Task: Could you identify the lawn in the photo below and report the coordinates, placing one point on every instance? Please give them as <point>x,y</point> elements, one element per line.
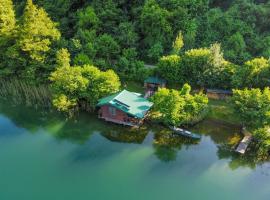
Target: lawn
<point>222,110</point>
<point>133,86</point>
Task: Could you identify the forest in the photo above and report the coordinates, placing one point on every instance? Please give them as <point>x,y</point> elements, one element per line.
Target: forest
<point>83,50</point>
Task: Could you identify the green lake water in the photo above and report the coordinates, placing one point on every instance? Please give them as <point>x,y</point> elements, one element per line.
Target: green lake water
<point>44,156</point>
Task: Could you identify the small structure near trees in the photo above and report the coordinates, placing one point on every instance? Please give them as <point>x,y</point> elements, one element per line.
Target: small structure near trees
<point>127,108</point>
<point>218,94</point>
<point>151,85</point>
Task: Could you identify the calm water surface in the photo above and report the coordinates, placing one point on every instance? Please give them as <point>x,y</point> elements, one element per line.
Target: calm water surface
<point>43,156</point>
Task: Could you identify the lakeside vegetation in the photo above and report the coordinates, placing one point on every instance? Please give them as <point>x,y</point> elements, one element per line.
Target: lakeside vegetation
<point>70,54</point>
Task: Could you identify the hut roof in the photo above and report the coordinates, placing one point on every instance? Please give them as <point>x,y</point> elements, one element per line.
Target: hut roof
<point>129,102</point>
<point>155,80</point>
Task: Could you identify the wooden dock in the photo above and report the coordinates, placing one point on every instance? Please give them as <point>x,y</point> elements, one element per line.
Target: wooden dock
<point>243,145</point>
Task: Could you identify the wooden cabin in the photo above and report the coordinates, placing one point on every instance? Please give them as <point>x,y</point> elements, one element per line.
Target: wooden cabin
<point>218,94</point>
<point>127,108</point>
<point>151,85</point>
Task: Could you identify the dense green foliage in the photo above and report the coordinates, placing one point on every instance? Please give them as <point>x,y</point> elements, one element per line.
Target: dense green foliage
<point>254,74</point>
<point>119,34</point>
<point>178,107</point>
<point>74,85</point>
<point>7,18</point>
<point>262,145</point>
<point>252,106</point>
<point>28,43</point>
<point>203,67</point>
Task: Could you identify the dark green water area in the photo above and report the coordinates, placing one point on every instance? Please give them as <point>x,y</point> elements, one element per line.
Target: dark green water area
<point>45,156</point>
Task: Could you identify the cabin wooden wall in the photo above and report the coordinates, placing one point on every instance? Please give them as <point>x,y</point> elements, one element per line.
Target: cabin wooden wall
<point>104,112</point>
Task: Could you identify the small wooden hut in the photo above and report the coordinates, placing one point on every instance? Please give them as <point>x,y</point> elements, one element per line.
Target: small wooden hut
<point>151,85</point>
<point>127,108</point>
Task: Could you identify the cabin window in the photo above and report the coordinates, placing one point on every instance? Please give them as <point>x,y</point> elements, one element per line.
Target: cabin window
<point>112,111</point>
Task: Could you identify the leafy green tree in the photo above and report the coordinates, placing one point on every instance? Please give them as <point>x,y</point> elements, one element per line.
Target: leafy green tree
<point>37,32</point>
<point>8,52</point>
<point>127,36</point>
<point>63,58</point>
<point>237,49</point>
<point>129,67</point>
<point>219,73</point>
<point>110,14</point>
<point>262,145</point>
<point>178,44</point>
<point>179,107</point>
<point>252,106</point>
<point>7,19</point>
<point>155,51</point>
<point>107,49</point>
<point>82,59</point>
<point>169,67</point>
<point>73,85</point>
<point>155,27</point>
<point>87,19</point>
<point>253,74</point>
<point>194,63</point>
<point>169,104</point>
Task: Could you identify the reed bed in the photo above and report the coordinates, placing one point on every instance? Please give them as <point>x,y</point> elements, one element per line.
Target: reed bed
<point>20,92</point>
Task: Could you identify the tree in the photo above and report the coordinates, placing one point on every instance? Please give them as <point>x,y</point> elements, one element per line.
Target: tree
<point>7,19</point>
<point>129,67</point>
<point>155,51</point>
<point>8,52</point>
<point>155,27</point>
<point>253,74</point>
<point>169,67</point>
<point>179,107</point>
<point>87,19</point>
<point>63,58</point>
<point>252,106</point>
<point>73,85</point>
<point>219,73</point>
<point>37,32</point>
<point>262,145</point>
<point>126,35</point>
<point>178,44</point>
<point>194,63</point>
<point>237,49</point>
<point>107,49</point>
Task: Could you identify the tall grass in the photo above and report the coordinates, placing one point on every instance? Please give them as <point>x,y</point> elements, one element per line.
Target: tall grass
<point>19,92</point>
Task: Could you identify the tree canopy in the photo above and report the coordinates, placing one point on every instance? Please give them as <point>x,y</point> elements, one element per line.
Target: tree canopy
<point>179,107</point>
<point>252,106</point>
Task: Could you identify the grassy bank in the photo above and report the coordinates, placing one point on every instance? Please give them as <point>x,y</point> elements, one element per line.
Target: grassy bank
<point>222,110</point>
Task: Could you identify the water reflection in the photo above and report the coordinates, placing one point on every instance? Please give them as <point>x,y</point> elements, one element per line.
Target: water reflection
<point>125,134</point>
<point>80,129</point>
<point>167,144</point>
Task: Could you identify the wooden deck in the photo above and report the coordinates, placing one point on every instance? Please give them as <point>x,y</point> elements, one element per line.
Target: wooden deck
<point>243,145</point>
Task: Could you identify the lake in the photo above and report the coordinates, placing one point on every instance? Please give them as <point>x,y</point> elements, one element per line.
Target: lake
<point>45,156</point>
